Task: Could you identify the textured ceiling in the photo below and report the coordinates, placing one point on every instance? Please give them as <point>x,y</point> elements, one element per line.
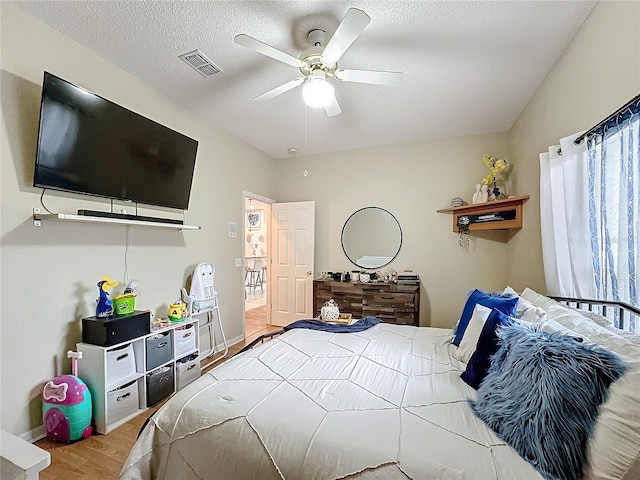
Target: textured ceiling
<point>469,67</point>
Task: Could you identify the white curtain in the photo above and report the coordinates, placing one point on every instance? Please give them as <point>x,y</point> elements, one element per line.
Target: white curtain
<point>564,217</point>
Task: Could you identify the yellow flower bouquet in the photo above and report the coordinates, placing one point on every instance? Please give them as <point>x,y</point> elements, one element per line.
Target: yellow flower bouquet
<point>496,166</point>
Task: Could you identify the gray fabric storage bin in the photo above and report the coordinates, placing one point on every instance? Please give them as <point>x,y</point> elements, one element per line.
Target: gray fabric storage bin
<point>159,349</point>
<point>159,384</point>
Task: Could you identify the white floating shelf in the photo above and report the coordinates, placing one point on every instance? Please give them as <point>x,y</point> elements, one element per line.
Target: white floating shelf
<point>66,217</point>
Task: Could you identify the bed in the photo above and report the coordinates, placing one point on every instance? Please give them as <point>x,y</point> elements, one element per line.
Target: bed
<point>384,403</point>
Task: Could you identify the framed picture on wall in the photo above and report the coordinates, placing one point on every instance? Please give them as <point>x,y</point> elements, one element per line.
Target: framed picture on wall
<point>254,220</point>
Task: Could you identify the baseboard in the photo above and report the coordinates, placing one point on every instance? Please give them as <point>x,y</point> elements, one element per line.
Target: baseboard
<point>34,434</point>
<point>233,341</point>
<point>220,347</point>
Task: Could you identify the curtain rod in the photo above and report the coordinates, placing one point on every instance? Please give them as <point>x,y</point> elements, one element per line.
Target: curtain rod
<point>602,123</point>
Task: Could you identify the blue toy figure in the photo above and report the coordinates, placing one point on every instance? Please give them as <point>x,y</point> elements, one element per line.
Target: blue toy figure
<point>66,406</point>
<point>104,309</point>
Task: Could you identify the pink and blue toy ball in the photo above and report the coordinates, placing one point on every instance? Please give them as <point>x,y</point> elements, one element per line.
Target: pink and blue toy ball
<point>66,409</point>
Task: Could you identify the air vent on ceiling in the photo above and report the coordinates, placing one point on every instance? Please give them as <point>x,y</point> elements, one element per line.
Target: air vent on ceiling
<point>200,63</point>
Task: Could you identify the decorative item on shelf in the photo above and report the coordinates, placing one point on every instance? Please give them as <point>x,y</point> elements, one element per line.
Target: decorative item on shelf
<point>481,195</point>
<point>497,168</point>
<point>355,276</point>
<point>463,231</point>
<point>104,307</point>
<point>393,275</point>
<point>177,311</point>
<point>365,277</point>
<point>329,311</point>
<point>124,304</point>
<point>158,323</point>
<point>457,202</point>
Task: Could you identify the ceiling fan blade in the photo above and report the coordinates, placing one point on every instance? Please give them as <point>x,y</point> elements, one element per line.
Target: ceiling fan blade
<point>268,50</point>
<point>352,25</point>
<point>333,108</point>
<point>279,90</point>
<point>369,76</point>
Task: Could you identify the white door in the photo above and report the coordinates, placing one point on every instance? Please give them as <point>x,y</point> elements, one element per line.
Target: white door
<point>292,244</point>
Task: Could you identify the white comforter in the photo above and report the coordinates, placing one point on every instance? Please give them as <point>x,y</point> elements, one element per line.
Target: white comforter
<point>387,403</point>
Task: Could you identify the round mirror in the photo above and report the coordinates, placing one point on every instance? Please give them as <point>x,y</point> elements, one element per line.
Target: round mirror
<point>371,237</point>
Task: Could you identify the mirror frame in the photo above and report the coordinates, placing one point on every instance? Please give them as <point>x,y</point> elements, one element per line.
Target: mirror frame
<point>345,226</point>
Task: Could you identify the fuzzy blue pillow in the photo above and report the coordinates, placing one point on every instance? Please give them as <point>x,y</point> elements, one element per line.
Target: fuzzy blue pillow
<point>542,394</point>
<point>486,347</point>
<point>506,304</point>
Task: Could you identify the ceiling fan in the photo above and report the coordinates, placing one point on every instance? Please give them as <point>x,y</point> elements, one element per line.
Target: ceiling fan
<point>320,62</point>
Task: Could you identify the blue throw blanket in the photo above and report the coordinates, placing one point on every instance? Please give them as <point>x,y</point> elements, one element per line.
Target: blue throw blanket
<point>359,326</point>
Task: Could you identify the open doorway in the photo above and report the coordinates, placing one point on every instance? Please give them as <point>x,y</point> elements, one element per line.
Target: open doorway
<point>256,260</point>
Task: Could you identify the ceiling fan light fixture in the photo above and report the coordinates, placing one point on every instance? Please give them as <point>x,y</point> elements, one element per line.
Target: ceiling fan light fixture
<point>317,92</point>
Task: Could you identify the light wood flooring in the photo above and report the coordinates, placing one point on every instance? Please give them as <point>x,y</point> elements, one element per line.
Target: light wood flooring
<point>255,320</point>
<point>101,457</point>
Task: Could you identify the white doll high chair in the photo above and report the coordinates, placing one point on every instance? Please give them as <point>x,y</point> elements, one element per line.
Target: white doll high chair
<point>203,300</point>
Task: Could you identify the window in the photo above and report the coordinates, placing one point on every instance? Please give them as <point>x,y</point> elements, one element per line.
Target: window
<point>614,209</point>
<point>590,212</point>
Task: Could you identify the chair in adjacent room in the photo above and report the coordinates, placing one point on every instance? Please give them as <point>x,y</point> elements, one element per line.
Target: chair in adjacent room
<point>253,274</point>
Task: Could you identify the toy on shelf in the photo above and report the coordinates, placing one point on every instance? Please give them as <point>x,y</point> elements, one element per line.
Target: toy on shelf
<point>126,303</point>
<point>133,287</point>
<point>177,311</point>
<point>104,308</point>
<point>66,406</point>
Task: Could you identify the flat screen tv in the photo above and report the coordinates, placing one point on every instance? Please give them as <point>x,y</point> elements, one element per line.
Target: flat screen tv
<point>90,145</point>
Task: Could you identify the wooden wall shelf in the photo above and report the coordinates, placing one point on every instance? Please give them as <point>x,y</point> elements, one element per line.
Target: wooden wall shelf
<point>508,214</point>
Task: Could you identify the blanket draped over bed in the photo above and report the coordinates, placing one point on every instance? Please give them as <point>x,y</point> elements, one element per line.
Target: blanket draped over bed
<point>384,403</point>
<point>359,326</point>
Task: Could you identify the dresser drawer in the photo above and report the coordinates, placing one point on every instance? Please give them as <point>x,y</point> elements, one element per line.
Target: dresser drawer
<point>389,299</point>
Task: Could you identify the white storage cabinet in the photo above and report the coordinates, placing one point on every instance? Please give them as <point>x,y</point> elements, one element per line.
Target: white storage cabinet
<point>127,378</point>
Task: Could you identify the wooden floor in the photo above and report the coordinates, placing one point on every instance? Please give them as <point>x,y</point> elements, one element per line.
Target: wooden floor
<point>255,320</point>
<point>101,457</point>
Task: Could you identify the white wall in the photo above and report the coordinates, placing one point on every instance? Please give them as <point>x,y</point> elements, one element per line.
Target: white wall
<point>599,72</point>
<point>412,182</point>
<point>49,274</point>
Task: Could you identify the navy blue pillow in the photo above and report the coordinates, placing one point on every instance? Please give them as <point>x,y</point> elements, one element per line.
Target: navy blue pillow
<point>506,304</point>
<point>488,344</point>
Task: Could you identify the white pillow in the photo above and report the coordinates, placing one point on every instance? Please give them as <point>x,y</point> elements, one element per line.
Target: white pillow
<point>551,326</point>
<point>526,311</point>
<point>538,300</point>
<point>471,335</point>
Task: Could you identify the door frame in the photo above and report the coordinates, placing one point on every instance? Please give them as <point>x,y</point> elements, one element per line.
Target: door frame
<point>246,195</point>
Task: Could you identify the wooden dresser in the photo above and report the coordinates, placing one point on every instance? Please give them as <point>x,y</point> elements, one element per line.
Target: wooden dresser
<point>390,302</point>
